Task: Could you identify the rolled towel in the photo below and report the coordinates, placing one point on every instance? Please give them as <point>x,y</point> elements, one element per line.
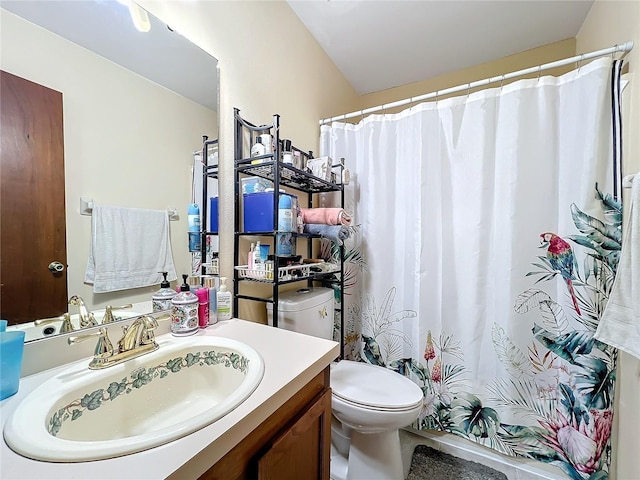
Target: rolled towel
<point>335,233</point>
<point>325,216</point>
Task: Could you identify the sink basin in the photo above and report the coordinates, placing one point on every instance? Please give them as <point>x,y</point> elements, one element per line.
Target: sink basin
<point>81,414</point>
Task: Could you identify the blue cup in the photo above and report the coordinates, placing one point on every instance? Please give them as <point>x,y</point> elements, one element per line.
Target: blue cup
<point>3,325</point>
<point>11,347</point>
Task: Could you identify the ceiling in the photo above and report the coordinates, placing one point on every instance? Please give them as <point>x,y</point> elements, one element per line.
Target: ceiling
<point>384,44</point>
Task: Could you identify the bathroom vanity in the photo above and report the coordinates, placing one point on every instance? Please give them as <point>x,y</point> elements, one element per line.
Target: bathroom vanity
<point>282,430</point>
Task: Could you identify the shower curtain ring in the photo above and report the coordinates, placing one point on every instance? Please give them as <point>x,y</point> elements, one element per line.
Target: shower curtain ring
<point>468,89</point>
<point>437,97</point>
<point>539,71</point>
<point>615,50</point>
<point>580,62</point>
<point>501,83</point>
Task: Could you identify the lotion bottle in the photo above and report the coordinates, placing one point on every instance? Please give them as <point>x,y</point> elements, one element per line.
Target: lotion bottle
<point>224,301</point>
<point>161,300</point>
<point>184,311</point>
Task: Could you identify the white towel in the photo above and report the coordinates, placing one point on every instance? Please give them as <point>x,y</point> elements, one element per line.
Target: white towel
<point>129,246</point>
<point>620,322</point>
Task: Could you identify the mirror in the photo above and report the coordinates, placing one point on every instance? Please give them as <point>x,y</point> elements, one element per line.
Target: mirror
<point>135,108</point>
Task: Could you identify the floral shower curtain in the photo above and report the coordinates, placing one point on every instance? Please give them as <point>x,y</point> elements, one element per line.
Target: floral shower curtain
<point>488,240</point>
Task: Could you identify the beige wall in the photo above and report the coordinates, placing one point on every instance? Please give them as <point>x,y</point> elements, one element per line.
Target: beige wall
<point>537,56</point>
<point>123,144</point>
<point>269,63</point>
<point>610,23</point>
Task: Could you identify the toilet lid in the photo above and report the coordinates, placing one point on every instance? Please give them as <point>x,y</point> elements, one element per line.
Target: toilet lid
<point>373,386</point>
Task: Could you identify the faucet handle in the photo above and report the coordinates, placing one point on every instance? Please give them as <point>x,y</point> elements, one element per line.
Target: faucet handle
<point>149,323</point>
<point>65,327</point>
<point>103,349</point>
<point>108,312</point>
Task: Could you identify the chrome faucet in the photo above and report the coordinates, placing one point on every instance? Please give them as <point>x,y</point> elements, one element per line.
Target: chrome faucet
<point>137,339</point>
<point>86,318</point>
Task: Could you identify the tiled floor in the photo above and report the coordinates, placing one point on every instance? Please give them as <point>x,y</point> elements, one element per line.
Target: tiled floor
<point>430,464</point>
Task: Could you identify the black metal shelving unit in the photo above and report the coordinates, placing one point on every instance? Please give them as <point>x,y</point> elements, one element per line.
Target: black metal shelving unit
<point>281,175</point>
<point>208,171</point>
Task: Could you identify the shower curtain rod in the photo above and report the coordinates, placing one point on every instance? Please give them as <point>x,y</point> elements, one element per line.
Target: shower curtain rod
<point>625,47</point>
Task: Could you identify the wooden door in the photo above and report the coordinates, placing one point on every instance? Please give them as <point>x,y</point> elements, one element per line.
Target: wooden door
<point>32,202</point>
<point>302,450</point>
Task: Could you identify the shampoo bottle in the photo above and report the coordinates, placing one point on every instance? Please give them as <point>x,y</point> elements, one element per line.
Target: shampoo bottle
<point>203,307</point>
<point>257,261</point>
<point>224,301</point>
<point>184,311</point>
<point>210,284</point>
<point>161,300</point>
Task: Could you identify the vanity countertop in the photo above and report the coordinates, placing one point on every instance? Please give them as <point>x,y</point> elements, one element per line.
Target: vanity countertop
<point>291,361</point>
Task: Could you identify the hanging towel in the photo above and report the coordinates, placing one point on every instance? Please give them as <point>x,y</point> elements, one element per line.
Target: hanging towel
<point>335,233</point>
<point>326,216</point>
<point>620,322</point>
<point>129,246</point>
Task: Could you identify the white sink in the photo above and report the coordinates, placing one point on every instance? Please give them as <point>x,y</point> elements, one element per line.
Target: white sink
<point>81,414</point>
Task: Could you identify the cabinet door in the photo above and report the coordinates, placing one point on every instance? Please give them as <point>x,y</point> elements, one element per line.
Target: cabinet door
<point>302,450</point>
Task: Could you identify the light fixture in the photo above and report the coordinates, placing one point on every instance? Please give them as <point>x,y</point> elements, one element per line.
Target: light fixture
<point>139,15</point>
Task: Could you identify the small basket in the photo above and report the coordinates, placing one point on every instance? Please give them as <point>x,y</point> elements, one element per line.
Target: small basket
<point>284,273</point>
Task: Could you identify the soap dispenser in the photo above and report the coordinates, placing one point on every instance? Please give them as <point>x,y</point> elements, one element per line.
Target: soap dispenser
<point>184,311</point>
<point>224,301</point>
<point>161,300</point>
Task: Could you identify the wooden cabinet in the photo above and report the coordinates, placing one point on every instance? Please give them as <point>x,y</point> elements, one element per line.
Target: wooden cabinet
<point>292,444</point>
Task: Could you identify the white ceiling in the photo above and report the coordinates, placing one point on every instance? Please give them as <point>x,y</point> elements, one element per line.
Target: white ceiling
<point>383,44</point>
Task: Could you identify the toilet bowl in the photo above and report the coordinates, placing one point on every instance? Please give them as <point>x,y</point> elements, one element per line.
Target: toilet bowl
<point>369,403</point>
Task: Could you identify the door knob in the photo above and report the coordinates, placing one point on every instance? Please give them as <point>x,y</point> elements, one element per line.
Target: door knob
<point>56,267</point>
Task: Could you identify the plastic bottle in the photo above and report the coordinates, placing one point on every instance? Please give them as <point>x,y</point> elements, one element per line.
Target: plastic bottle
<point>250,256</point>
<point>161,300</point>
<point>258,149</point>
<point>256,265</point>
<point>211,284</point>
<point>193,217</point>
<point>184,311</point>
<point>223,298</point>
<point>285,214</point>
<point>203,307</point>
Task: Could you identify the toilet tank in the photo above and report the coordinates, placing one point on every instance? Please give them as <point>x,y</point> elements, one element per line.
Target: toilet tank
<point>307,310</point>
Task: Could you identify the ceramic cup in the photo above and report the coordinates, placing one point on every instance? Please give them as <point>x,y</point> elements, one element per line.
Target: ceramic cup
<point>11,347</point>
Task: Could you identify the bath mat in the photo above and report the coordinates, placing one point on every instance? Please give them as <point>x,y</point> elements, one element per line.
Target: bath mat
<point>430,464</point>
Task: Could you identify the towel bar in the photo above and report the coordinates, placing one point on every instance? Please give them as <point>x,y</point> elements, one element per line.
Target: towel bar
<point>86,207</point>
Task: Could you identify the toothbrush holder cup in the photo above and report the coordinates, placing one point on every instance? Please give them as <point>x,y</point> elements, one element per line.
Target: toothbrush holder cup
<point>11,348</point>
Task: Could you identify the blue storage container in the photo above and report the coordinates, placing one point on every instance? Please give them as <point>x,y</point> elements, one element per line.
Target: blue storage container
<point>213,215</point>
<point>258,212</point>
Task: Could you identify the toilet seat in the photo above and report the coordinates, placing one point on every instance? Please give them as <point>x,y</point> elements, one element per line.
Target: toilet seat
<point>374,388</point>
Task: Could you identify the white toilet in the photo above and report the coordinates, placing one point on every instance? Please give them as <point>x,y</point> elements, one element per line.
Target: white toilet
<point>370,403</point>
